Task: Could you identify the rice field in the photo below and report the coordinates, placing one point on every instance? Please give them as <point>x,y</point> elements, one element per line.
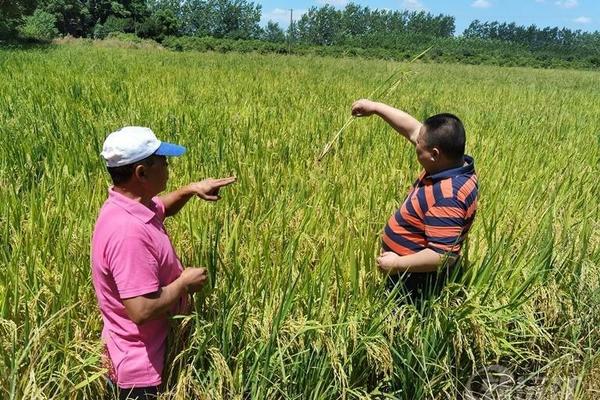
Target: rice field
<point>296,308</point>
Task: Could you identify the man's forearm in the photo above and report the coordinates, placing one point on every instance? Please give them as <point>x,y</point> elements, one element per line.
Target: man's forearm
<point>402,122</point>
<point>156,305</point>
<point>175,200</point>
<point>425,260</point>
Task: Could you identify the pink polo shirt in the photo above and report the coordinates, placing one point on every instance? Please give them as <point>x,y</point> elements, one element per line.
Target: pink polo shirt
<point>132,255</point>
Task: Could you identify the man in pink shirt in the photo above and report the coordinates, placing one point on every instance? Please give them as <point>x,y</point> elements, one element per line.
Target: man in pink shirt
<point>138,278</point>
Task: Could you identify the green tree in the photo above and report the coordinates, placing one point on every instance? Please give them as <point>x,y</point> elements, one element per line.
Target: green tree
<point>236,19</point>
<point>355,19</point>
<point>105,16</point>
<point>160,24</point>
<point>113,24</point>
<point>99,11</point>
<point>321,26</point>
<point>39,26</point>
<point>11,13</point>
<point>72,16</point>
<point>273,33</point>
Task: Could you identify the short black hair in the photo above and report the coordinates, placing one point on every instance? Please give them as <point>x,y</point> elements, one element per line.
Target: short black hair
<point>446,132</point>
<point>123,174</point>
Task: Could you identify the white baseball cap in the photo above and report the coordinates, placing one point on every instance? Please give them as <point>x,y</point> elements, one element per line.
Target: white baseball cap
<point>134,143</point>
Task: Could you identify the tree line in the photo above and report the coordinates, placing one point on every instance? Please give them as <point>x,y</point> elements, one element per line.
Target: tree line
<point>234,19</point>
<point>532,36</point>
<point>357,29</point>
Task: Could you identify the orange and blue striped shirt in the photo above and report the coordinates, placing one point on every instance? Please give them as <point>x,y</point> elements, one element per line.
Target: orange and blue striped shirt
<point>437,213</point>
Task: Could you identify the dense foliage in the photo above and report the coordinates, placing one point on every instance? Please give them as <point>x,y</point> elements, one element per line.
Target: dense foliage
<point>446,50</point>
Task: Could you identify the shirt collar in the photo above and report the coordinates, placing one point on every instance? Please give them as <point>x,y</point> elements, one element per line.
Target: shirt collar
<point>467,169</point>
<point>135,208</point>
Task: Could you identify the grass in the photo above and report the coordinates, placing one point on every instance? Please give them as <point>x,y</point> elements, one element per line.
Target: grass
<point>297,309</point>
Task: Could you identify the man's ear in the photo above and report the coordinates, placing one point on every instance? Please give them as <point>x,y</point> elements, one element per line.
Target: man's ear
<point>140,172</point>
<point>435,154</point>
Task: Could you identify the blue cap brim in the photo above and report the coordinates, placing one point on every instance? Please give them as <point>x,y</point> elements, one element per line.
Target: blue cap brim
<point>169,150</point>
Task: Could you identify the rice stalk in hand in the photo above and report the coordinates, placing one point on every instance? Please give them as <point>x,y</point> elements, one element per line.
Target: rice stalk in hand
<point>380,92</point>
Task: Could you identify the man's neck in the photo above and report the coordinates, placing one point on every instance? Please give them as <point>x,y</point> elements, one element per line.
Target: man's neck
<point>447,166</point>
<point>133,194</point>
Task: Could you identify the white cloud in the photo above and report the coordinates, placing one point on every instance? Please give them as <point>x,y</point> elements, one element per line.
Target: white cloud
<point>337,3</point>
<point>281,16</point>
<point>413,5</point>
<point>583,20</point>
<point>481,4</point>
<point>566,3</point>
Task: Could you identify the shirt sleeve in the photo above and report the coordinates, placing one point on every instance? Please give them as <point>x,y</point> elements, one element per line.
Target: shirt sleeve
<point>444,225</point>
<point>133,265</point>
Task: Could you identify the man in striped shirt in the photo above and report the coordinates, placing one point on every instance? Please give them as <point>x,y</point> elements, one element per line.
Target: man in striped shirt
<point>427,232</point>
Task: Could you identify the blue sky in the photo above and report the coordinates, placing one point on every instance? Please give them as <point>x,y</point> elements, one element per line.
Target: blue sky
<point>573,14</point>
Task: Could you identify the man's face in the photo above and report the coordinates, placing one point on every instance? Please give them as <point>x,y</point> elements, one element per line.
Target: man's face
<point>157,174</point>
<point>424,154</point>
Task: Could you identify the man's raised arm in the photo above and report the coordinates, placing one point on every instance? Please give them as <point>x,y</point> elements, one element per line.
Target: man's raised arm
<point>402,122</point>
<point>207,189</point>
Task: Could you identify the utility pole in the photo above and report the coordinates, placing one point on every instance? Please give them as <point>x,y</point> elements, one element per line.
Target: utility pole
<point>290,30</point>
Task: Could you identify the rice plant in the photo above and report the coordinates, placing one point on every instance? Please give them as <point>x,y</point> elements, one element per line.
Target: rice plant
<point>296,308</point>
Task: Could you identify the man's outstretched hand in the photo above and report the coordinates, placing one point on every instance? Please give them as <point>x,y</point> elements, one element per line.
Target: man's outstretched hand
<point>208,189</point>
<point>363,108</point>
